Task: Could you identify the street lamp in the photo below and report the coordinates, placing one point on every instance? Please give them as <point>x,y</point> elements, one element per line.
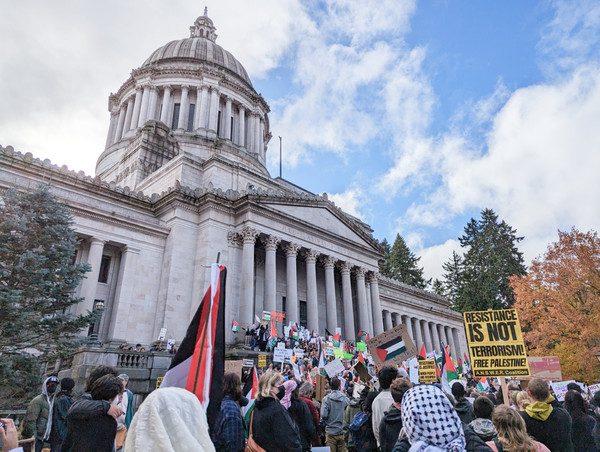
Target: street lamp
<point>98,306</point>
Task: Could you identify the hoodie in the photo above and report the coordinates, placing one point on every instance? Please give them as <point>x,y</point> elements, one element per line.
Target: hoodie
<point>351,410</point>
<point>332,412</point>
<point>389,429</point>
<point>465,411</point>
<point>484,428</point>
<point>38,420</point>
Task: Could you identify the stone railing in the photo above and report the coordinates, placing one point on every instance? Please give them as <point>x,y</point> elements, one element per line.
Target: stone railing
<point>132,360</point>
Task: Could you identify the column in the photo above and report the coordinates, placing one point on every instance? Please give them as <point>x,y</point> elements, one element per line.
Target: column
<point>90,284</point>
<point>111,130</point>
<point>202,99</point>
<point>242,126</point>
<point>375,301</point>
<point>247,289</point>
<point>144,108</point>
<point>388,321</point>
<point>459,353</point>
<point>369,306</point>
<point>427,338</point>
<point>408,325</point>
<point>184,108</point>
<point>121,123</point>
<point>270,242</point>
<point>119,319</point>
<point>451,341</point>
<point>419,334</point>
<point>153,103</point>
<point>331,308</point>
<point>442,335</point>
<point>261,134</point>
<point>137,105</point>
<point>227,119</point>
<point>257,134</point>
<point>436,336</point>
<point>291,293</point>
<point>363,314</point>
<point>250,146</point>
<point>166,104</point>
<point>214,109</point>
<point>128,115</point>
<point>312,303</point>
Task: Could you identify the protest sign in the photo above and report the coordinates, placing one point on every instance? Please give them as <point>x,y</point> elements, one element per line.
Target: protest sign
<point>266,315</point>
<point>545,367</point>
<point>391,347</point>
<point>427,372</point>
<point>277,316</point>
<point>299,352</point>
<point>297,374</point>
<point>162,334</point>
<point>560,389</point>
<point>234,366</point>
<point>348,355</point>
<point>334,367</point>
<point>247,363</point>
<point>281,345</point>
<point>338,353</point>
<point>170,344</point>
<point>361,346</point>
<point>281,355</point>
<point>496,343</point>
<point>159,381</point>
<point>262,360</point>
<point>362,372</point>
<point>413,374</point>
<point>320,388</point>
<point>593,389</point>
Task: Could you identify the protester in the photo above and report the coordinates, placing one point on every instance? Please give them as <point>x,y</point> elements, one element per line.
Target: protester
<point>384,400</point>
<point>96,433</point>
<point>391,424</point>
<point>482,425</point>
<point>300,414</point>
<point>547,424</point>
<point>84,407</point>
<point>332,414</point>
<point>270,424</point>
<point>229,434</point>
<point>351,410</point>
<point>463,407</point>
<point>523,400</point>
<point>512,433</point>
<point>38,420</point>
<point>288,387</point>
<point>431,424</point>
<point>306,392</point>
<point>583,427</point>
<point>62,404</point>
<point>9,436</point>
<point>361,427</point>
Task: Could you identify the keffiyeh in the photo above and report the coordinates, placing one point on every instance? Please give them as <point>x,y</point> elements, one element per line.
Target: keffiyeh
<point>430,422</point>
<point>289,386</point>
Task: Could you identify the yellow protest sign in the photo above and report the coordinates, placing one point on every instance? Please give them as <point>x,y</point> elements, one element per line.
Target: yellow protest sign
<point>427,372</point>
<point>496,343</point>
<point>338,353</point>
<point>262,360</point>
<point>159,381</point>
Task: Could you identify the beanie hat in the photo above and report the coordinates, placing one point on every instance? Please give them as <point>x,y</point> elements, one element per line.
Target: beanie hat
<point>67,384</point>
<point>458,390</point>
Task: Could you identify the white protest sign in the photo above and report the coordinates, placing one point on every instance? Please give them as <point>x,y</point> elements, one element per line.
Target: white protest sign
<point>170,344</point>
<point>414,374</point>
<point>281,345</point>
<point>334,367</point>
<point>299,352</point>
<point>281,355</point>
<point>313,341</point>
<point>297,374</point>
<point>163,334</point>
<point>560,389</point>
<point>593,389</point>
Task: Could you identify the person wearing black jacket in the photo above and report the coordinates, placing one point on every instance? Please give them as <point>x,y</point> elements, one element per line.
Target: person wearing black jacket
<point>62,403</point>
<point>463,407</point>
<point>584,426</point>
<point>270,424</point>
<point>473,442</point>
<point>85,407</point>
<point>391,424</point>
<point>300,414</point>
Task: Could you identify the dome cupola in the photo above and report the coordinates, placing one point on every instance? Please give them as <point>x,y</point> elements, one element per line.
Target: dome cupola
<point>203,27</point>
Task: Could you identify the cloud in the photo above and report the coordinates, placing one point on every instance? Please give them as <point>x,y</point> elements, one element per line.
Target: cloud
<point>351,201</point>
<point>433,257</point>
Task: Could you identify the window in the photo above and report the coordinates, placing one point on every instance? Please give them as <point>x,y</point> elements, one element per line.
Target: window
<point>303,314</point>
<point>231,130</point>
<point>283,305</point>
<point>74,258</point>
<point>219,124</point>
<point>190,124</point>
<point>175,116</point>
<point>104,267</point>
<point>160,111</point>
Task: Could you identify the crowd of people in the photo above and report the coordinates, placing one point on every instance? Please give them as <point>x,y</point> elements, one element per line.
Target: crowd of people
<point>389,413</point>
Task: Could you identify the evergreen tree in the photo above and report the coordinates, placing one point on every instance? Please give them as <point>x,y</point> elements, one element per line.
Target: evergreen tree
<point>384,267</point>
<point>37,283</point>
<point>401,264</point>
<point>479,280</point>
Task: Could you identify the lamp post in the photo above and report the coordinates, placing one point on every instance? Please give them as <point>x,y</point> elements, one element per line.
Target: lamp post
<point>93,342</point>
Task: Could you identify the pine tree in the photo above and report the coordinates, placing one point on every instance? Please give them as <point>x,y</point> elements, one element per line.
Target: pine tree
<point>384,267</point>
<point>482,280</point>
<point>37,285</point>
<point>401,264</point>
<point>453,276</point>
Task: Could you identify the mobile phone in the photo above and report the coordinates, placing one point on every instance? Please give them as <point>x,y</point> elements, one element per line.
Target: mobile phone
<point>2,424</point>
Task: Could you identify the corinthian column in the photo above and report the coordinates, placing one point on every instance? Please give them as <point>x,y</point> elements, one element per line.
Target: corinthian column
<point>153,103</point>
<point>166,104</point>
<point>144,107</point>
<point>247,289</point>
<point>242,126</point>
<point>377,317</point>
<point>89,285</point>
<point>291,251</point>
<point>201,97</point>
<point>427,338</point>
<point>329,263</point>
<point>270,242</point>
<point>227,119</point>
<point>128,115</point>
<point>312,304</point>
<point>214,109</point>
<point>363,314</point>
<point>121,123</point>
<point>184,109</point>
<point>436,336</point>
<point>137,106</point>
<point>451,341</point>
<point>408,325</point>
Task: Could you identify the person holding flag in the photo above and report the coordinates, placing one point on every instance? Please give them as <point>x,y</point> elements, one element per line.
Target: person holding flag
<point>229,434</point>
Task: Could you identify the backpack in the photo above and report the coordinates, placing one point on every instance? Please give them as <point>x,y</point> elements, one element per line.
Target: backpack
<point>361,429</point>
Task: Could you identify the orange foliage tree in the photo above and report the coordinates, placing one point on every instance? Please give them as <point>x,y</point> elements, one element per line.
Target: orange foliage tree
<point>559,304</point>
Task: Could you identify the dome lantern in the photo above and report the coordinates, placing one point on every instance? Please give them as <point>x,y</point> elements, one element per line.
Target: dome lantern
<point>203,27</point>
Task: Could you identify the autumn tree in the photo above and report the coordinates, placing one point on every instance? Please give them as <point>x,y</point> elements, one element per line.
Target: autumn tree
<point>401,264</point>
<point>559,304</point>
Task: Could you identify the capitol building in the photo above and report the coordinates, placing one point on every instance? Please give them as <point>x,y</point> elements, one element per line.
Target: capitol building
<point>182,178</point>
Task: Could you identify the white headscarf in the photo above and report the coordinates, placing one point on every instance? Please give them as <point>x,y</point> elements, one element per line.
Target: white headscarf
<point>169,420</point>
<point>430,421</point>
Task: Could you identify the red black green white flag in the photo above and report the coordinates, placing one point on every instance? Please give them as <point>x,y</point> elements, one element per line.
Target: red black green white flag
<point>448,372</point>
<point>391,349</point>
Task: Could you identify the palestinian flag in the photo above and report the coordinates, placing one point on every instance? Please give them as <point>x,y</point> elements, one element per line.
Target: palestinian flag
<point>391,349</point>
<point>250,391</point>
<point>361,358</point>
<point>273,330</point>
<point>199,364</point>
<point>423,353</point>
<point>483,385</point>
<point>448,373</point>
<point>235,327</point>
<point>363,336</point>
<point>266,315</point>
<point>294,333</point>
<point>322,361</point>
<point>467,362</point>
<point>336,340</point>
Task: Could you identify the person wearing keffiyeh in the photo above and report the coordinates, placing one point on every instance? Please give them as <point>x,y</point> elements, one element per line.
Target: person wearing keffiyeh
<point>430,424</point>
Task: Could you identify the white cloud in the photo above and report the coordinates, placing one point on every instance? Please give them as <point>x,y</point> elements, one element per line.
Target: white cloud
<point>351,201</point>
<point>433,257</point>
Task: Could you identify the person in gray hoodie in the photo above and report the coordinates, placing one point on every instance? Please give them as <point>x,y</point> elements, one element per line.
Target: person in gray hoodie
<point>463,407</point>
<point>483,425</point>
<point>332,415</point>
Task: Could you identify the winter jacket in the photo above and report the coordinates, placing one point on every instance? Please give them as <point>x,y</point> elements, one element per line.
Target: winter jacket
<point>300,414</point>
<point>496,446</point>
<point>314,413</point>
<point>36,418</point>
<point>473,442</point>
<point>61,407</point>
<point>389,429</point>
<point>229,434</point>
<point>91,434</point>
<point>351,410</point>
<point>484,428</point>
<point>332,412</point>
<point>554,432</point>
<point>84,407</point>
<point>583,433</point>
<point>465,412</point>
<point>381,404</point>
<point>272,427</point>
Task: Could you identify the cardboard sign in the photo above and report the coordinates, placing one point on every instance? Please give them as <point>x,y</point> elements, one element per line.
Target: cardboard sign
<point>361,346</point>
<point>391,347</point>
<point>320,388</point>
<point>262,360</point>
<point>362,372</point>
<point>247,363</point>
<point>277,316</point>
<point>427,372</point>
<point>234,366</point>
<point>162,335</point>
<point>545,367</point>
<point>334,367</point>
<point>560,389</point>
<point>496,343</point>
<point>281,355</point>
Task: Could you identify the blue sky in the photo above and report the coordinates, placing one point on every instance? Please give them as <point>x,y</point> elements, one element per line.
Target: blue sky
<point>412,115</point>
